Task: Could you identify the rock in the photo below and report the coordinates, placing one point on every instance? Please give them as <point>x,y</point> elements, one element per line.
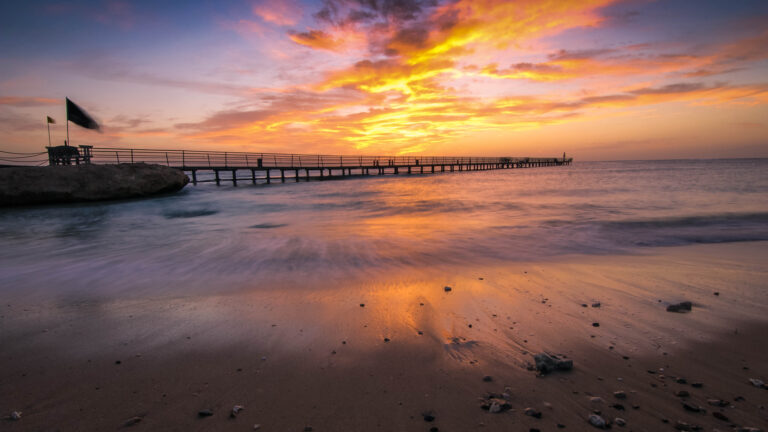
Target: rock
<point>750,429</point>
<point>307,428</point>
<point>447,289</point>
<point>595,324</point>
<point>619,395</point>
<point>720,416</point>
<point>487,378</point>
<point>716,293</point>
<point>681,381</point>
<point>597,421</point>
<point>205,413</point>
<point>680,307</point>
<point>596,304</point>
<point>583,305</point>
<point>546,363</point>
<point>132,421</point>
<point>256,426</point>
<point>757,383</point>
<point>717,402</point>
<point>682,393</point>
<point>386,339</point>
<point>692,408</point>
<point>596,400</point>
<point>495,405</point>
<point>236,410</point>
<point>618,407</point>
<point>16,415</point>
<point>78,183</point>
<point>682,426</point>
<point>532,413</point>
<point>362,304</point>
<point>428,417</point>
<point>697,385</point>
<point>620,421</point>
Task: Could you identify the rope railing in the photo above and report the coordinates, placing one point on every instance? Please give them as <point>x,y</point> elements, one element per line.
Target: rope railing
<point>203,159</point>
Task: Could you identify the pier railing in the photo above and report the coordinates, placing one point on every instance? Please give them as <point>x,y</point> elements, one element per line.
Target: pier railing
<point>210,159</point>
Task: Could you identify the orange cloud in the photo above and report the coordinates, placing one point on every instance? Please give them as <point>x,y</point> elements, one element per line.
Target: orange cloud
<point>280,12</point>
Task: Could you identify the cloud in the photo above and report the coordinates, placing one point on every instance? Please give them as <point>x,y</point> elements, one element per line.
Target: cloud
<point>29,101</point>
<point>280,12</point>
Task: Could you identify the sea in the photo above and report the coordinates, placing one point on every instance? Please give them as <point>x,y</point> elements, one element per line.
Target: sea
<point>215,239</point>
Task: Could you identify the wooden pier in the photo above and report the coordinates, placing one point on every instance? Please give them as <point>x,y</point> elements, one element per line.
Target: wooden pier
<point>256,168</point>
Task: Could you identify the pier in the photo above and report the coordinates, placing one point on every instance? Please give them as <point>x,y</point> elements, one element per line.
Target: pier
<point>265,168</point>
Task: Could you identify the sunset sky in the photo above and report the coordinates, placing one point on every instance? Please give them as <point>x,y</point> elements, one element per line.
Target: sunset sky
<point>598,79</point>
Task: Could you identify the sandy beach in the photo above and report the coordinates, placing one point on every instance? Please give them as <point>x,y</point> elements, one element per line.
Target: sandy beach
<point>312,356</point>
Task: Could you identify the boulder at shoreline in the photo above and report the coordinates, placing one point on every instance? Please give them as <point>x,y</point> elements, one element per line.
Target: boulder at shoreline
<point>80,183</point>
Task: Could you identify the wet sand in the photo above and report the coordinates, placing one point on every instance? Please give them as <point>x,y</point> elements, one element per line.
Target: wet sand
<point>306,354</point>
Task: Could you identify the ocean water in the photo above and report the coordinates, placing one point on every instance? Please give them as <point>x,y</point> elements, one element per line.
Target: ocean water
<point>214,239</point>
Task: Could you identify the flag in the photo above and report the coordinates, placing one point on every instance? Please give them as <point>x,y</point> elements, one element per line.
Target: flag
<point>78,116</point>
<point>50,120</point>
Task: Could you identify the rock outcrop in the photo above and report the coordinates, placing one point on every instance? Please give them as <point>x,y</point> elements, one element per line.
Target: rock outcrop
<point>80,183</point>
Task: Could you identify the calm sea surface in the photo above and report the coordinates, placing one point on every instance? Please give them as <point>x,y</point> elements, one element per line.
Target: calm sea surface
<point>210,238</point>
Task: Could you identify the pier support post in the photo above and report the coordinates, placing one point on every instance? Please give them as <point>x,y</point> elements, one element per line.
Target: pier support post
<point>194,177</point>
<point>268,179</point>
<point>218,181</point>
<point>297,175</point>
<point>282,175</point>
<point>253,176</point>
<point>234,177</point>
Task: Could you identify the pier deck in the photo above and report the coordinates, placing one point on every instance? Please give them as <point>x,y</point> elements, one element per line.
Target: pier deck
<point>281,167</point>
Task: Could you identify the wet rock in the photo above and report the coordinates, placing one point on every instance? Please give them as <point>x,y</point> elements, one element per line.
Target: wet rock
<point>428,417</point>
<point>680,307</point>
<point>619,395</point>
<point>597,421</point>
<point>386,339</point>
<point>757,383</point>
<point>595,324</point>
<point>681,381</point>
<point>256,426</point>
<point>720,416</point>
<point>682,393</point>
<point>618,407</point>
<point>716,293</point>
<point>596,304</point>
<point>16,415</point>
<point>495,404</point>
<point>717,402</point>
<point>362,304</point>
<point>448,289</point>
<point>205,413</point>
<point>620,421</point>
<point>487,378</point>
<point>697,385</point>
<point>596,400</point>
<point>236,410</point>
<point>546,363</point>
<point>693,408</point>
<point>132,421</point>
<point>532,413</point>
<point>583,305</point>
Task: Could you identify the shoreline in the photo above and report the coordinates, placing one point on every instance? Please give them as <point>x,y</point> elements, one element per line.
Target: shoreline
<point>316,358</point>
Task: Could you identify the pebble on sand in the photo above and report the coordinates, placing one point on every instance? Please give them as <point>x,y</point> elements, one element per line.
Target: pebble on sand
<point>132,421</point>
<point>532,413</point>
<point>16,415</point>
<point>620,421</point>
<point>236,410</point>
<point>619,395</point>
<point>757,383</point>
<point>447,289</point>
<point>597,421</point>
<point>680,307</point>
<point>595,324</point>
<point>546,363</point>
<point>205,413</point>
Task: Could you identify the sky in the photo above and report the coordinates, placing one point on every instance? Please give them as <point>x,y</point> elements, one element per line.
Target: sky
<point>598,79</point>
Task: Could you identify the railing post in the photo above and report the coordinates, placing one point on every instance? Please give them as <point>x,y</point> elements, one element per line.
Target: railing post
<point>209,159</point>
<point>131,156</point>
<point>183,159</point>
<point>246,160</point>
<point>118,156</point>
<point>167,162</point>
<point>225,159</point>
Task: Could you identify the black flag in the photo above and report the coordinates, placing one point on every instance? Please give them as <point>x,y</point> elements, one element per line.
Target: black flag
<point>78,116</point>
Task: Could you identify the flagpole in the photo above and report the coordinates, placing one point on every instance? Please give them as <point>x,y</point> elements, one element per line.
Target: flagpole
<point>49,131</point>
<point>67,124</point>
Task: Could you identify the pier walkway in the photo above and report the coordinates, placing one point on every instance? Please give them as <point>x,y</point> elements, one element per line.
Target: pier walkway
<point>281,167</point>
